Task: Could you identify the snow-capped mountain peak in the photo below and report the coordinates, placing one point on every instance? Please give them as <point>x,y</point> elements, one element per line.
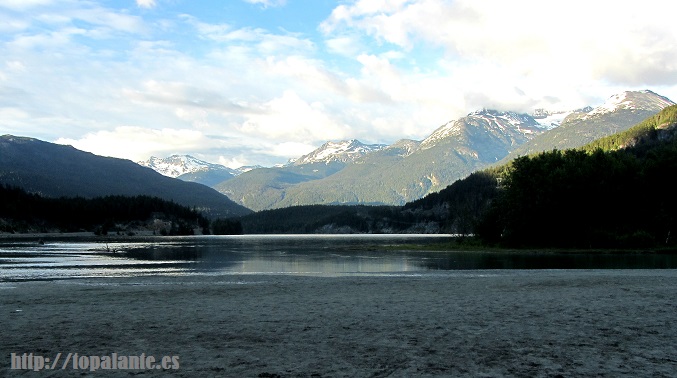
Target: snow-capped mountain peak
<point>177,165</point>
<point>515,119</point>
<point>492,121</point>
<point>449,129</point>
<point>631,100</point>
<point>344,151</point>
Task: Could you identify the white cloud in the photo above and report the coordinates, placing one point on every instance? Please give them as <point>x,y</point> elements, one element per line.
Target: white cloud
<point>104,17</point>
<point>265,42</point>
<point>291,149</point>
<point>23,4</point>
<point>12,25</point>
<point>346,45</point>
<point>137,143</point>
<point>233,162</point>
<point>146,3</point>
<point>604,40</point>
<point>268,3</point>
<point>291,118</point>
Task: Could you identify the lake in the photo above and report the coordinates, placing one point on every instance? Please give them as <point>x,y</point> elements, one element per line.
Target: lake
<point>318,255</point>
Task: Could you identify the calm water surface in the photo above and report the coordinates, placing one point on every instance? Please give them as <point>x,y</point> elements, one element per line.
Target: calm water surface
<point>322,255</point>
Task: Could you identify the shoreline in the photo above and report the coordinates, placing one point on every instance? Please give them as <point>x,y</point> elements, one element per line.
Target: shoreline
<point>451,246</point>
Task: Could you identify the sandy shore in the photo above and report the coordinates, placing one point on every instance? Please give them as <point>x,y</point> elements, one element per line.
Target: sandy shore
<point>494,323</point>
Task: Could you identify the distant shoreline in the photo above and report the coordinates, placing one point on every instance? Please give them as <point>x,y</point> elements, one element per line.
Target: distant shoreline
<point>451,246</point>
<point>69,235</point>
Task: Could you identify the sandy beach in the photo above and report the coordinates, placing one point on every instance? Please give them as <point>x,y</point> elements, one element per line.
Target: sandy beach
<point>471,323</point>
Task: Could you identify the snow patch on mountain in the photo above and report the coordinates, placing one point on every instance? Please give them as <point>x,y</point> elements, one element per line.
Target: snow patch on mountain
<point>550,119</point>
<point>404,147</point>
<point>491,120</point>
<point>631,100</point>
<point>344,151</point>
<point>244,169</point>
<point>504,118</point>
<point>177,165</point>
<point>448,130</point>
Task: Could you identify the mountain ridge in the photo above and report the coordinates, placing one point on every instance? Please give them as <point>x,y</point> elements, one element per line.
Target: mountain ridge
<point>345,151</point>
<point>618,113</point>
<point>177,165</point>
<point>397,173</point>
<point>55,170</point>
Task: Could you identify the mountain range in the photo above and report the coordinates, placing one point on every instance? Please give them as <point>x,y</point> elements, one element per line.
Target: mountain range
<point>349,172</point>
<point>344,172</point>
<point>54,170</point>
<point>408,170</point>
<point>613,192</point>
<point>378,174</point>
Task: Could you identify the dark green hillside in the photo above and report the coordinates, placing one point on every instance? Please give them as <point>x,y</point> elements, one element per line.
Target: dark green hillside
<point>592,197</point>
<point>54,170</point>
<point>311,219</point>
<point>23,212</point>
<point>646,133</point>
<point>459,207</point>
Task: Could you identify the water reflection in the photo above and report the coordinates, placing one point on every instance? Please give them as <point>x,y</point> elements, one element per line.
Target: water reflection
<point>300,254</point>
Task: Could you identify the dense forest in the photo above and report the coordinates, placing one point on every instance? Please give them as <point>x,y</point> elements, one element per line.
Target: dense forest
<point>615,192</point>
<point>578,199</point>
<point>25,212</point>
<point>345,219</point>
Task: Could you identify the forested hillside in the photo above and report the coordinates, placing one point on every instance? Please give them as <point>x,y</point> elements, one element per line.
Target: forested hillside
<point>343,219</point>
<point>647,133</point>
<point>616,192</point>
<point>23,212</point>
<point>54,170</point>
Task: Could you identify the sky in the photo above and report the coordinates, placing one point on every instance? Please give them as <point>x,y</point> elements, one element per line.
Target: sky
<point>244,82</point>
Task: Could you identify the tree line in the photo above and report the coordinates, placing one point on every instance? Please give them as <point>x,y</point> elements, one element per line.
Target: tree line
<point>21,211</point>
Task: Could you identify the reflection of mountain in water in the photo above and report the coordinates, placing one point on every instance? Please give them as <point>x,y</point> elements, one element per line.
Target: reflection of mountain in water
<point>307,254</point>
<point>323,255</point>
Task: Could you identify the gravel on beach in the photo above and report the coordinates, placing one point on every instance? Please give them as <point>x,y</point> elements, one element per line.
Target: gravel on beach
<point>548,323</point>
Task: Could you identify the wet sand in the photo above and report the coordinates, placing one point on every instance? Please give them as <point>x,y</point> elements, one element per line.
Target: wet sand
<point>470,323</point>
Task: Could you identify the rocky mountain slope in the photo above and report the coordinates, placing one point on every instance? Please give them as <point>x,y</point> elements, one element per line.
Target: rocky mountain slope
<point>346,151</point>
<point>394,174</point>
<point>263,188</point>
